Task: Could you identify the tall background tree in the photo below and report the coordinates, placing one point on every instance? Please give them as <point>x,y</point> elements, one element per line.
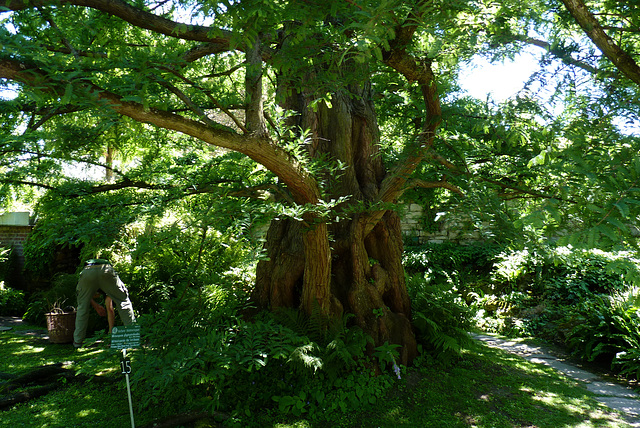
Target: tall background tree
<point>338,109</point>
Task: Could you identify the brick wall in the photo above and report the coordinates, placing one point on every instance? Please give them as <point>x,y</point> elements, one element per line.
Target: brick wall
<point>13,236</point>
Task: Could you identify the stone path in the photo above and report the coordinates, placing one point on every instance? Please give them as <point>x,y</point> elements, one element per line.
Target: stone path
<point>15,324</point>
<point>616,396</point>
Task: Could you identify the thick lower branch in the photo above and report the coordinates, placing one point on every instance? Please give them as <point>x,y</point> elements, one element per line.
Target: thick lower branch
<point>303,187</point>
<point>136,17</point>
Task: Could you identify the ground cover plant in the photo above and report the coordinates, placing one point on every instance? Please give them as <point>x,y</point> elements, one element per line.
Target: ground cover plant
<point>585,301</point>
<point>483,388</point>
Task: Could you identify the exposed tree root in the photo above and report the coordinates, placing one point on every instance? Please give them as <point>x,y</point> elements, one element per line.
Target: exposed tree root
<point>21,397</point>
<point>39,382</point>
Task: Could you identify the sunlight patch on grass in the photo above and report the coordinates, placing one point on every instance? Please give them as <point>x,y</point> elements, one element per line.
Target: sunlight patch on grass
<point>576,405</point>
<point>31,350</point>
<point>45,412</point>
<point>299,424</point>
<point>396,414</point>
<point>529,368</point>
<point>555,400</point>
<point>86,412</point>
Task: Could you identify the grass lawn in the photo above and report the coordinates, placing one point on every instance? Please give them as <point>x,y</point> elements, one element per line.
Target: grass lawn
<point>485,388</point>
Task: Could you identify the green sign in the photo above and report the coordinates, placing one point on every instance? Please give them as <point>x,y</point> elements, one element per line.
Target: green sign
<point>125,337</point>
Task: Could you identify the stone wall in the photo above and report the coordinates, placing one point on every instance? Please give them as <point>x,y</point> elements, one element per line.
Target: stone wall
<point>446,227</point>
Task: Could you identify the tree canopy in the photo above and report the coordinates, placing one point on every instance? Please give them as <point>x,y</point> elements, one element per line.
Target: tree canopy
<point>331,111</point>
<point>92,75</point>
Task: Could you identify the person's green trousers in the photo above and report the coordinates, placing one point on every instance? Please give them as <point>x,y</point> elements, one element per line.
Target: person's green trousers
<point>103,277</point>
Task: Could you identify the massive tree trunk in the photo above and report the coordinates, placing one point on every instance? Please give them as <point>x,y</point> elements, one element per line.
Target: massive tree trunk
<point>344,266</point>
<point>352,265</point>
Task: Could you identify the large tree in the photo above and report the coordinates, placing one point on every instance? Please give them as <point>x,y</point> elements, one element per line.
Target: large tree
<point>300,87</point>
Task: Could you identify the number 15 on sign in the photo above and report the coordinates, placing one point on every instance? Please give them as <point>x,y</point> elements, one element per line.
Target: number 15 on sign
<point>125,365</point>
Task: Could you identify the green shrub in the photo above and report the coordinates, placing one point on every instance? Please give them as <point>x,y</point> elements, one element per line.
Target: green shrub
<point>62,293</point>
<point>556,279</point>
<point>517,270</point>
<point>4,259</point>
<point>200,355</point>
<point>12,302</point>
<point>450,259</point>
<point>331,345</point>
<point>442,319</point>
<point>564,275</point>
<point>196,348</point>
<point>158,262</point>
<point>577,275</point>
<point>607,328</point>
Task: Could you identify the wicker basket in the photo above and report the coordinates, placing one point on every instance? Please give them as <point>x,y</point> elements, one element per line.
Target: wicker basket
<point>61,326</point>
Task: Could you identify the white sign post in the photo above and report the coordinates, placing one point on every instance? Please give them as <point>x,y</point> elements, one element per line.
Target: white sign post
<point>126,337</point>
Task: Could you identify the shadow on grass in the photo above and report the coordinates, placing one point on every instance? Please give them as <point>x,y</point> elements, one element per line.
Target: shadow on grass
<point>488,388</point>
<point>71,404</point>
<point>484,388</point>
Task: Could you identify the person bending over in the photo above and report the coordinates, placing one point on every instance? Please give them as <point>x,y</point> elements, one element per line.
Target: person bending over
<point>98,274</point>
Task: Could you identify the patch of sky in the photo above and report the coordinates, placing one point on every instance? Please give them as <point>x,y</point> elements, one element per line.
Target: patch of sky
<point>500,81</point>
<point>8,92</point>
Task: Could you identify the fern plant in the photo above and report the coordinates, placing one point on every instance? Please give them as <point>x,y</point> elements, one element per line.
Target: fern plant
<point>608,327</point>
<point>333,346</point>
<point>628,323</point>
<point>442,319</point>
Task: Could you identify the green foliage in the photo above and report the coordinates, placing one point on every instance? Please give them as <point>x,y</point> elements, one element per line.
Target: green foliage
<point>442,319</point>
<point>450,262</point>
<point>607,328</point>
<point>579,274</point>
<point>61,294</point>
<point>332,346</point>
<point>159,261</point>
<point>12,302</point>
<point>449,256</point>
<point>91,223</point>
<point>585,300</point>
<point>4,265</point>
<point>197,348</point>
<point>159,246</point>
<point>344,394</point>
<point>200,355</point>
<point>628,361</point>
<point>582,299</point>
<point>564,275</point>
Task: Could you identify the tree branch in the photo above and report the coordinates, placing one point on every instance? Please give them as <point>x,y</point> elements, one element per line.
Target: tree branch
<point>558,53</point>
<point>442,184</point>
<point>301,185</point>
<point>40,155</point>
<point>28,183</point>
<point>207,93</point>
<point>136,17</point>
<point>621,59</point>
<point>50,113</point>
<point>205,50</point>
<point>188,102</point>
<point>414,71</point>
